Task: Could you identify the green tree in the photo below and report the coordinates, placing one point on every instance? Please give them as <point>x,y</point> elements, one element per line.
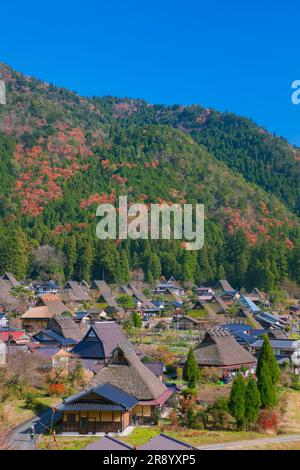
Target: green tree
<point>191,371</point>
<point>266,388</point>
<point>267,372</point>
<point>237,400</point>
<point>267,357</point>
<point>136,319</point>
<point>252,401</point>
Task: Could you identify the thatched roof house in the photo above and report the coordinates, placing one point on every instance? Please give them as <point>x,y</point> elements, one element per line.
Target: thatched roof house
<point>219,349</point>
<point>126,371</point>
<point>74,292</point>
<point>10,281</point>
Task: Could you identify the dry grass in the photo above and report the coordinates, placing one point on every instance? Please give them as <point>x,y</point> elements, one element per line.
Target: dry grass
<point>289,409</point>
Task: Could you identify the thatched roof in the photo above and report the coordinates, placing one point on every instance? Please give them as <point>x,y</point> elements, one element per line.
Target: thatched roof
<point>10,280</point>
<point>66,327</point>
<point>126,371</point>
<point>37,313</point>
<point>146,303</point>
<point>220,349</point>
<point>105,291</point>
<point>74,292</point>
<point>5,295</point>
<point>53,302</point>
<point>226,286</point>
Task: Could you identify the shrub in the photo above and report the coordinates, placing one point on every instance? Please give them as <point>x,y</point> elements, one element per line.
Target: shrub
<point>268,420</point>
<point>58,389</point>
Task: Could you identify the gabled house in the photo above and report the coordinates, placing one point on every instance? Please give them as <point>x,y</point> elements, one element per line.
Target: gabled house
<point>249,304</point>
<point>46,307</point>
<point>227,288</point>
<point>36,318</point>
<point>102,408</point>
<point>97,345</point>
<point>60,332</point>
<point>49,287</point>
<point>5,295</point>
<point>126,371</point>
<point>73,292</point>
<point>185,322</point>
<point>53,302</point>
<point>9,280</point>
<point>285,350</point>
<point>219,349</point>
<point>53,357</point>
<point>105,294</point>
<point>143,304</point>
<point>268,320</point>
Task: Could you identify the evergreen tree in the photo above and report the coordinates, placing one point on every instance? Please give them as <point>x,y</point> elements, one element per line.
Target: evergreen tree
<point>267,357</point>
<point>123,268</point>
<point>14,252</point>
<point>191,371</point>
<point>69,249</point>
<point>266,388</point>
<point>136,319</point>
<point>252,401</point>
<point>237,400</point>
<point>267,372</point>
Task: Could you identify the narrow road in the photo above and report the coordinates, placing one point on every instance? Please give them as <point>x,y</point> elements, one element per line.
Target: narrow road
<point>251,442</point>
<point>19,438</point>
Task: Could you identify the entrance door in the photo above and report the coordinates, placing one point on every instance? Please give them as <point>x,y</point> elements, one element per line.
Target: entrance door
<point>83,428</point>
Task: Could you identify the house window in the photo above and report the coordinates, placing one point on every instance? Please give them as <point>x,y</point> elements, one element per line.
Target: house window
<point>71,418</point>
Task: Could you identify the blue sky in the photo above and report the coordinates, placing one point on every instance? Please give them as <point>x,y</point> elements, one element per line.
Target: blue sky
<point>234,55</point>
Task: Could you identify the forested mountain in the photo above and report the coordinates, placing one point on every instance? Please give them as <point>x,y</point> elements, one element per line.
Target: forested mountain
<point>62,154</point>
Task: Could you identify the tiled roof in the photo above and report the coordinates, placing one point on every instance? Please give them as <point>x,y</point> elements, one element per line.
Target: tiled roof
<point>114,396</point>
<point>108,443</point>
<point>164,442</point>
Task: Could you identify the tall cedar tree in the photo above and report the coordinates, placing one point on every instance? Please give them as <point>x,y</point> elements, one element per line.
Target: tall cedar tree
<point>252,401</point>
<point>267,357</point>
<point>237,401</point>
<point>191,371</point>
<point>267,389</point>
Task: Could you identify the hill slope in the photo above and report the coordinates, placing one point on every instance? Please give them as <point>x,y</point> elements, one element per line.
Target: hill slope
<point>61,154</point>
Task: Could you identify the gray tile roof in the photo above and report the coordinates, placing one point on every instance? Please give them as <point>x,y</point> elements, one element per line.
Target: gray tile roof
<point>108,443</point>
<point>164,442</point>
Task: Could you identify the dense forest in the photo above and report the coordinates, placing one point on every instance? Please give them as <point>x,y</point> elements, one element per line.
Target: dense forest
<point>62,155</point>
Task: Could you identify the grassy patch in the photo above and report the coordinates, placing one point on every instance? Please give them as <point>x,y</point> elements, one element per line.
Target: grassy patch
<point>195,437</point>
<point>198,313</point>
<point>66,443</point>
<point>289,409</point>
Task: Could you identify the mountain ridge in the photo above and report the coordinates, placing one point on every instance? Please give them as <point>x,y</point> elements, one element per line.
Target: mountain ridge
<point>73,152</point>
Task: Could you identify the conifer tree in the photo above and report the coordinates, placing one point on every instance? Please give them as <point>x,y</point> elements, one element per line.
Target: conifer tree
<point>267,357</point>
<point>191,371</point>
<point>252,401</point>
<point>237,400</point>
<point>267,372</point>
